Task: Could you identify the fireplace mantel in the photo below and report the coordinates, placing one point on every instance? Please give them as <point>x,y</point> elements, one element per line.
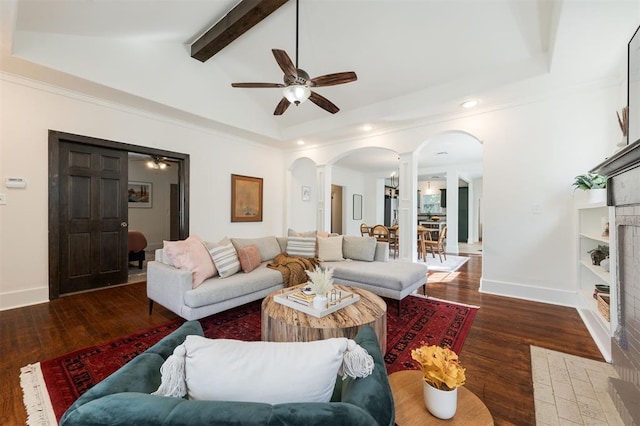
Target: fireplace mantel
<point>620,162</point>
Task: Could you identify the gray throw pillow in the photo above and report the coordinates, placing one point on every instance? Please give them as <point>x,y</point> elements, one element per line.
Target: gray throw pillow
<point>267,246</point>
<point>359,248</point>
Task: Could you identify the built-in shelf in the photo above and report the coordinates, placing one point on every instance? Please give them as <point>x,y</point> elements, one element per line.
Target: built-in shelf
<point>598,271</point>
<point>591,221</point>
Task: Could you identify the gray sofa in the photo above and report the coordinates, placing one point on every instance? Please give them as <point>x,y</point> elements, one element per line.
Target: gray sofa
<point>172,287</point>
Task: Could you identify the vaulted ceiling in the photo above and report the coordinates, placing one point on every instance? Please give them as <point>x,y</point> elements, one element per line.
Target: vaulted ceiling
<point>416,61</point>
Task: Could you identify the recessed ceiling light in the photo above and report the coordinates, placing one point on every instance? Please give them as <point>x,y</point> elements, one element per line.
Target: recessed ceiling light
<point>469,103</point>
<point>367,127</point>
<point>300,142</point>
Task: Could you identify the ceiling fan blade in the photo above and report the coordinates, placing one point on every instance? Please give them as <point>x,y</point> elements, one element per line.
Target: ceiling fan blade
<point>257,85</point>
<point>282,106</point>
<point>285,63</point>
<point>323,102</point>
<point>334,79</point>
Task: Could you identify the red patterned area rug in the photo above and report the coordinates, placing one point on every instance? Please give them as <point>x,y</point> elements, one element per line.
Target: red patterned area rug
<point>421,321</point>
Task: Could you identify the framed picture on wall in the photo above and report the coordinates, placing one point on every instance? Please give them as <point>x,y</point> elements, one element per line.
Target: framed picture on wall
<point>306,193</point>
<point>139,194</point>
<point>357,206</point>
<point>246,199</point>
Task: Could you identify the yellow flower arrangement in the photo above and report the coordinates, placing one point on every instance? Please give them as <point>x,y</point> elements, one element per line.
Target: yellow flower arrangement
<point>440,367</point>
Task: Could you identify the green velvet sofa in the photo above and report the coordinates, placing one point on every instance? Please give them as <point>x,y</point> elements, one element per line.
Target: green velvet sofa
<point>124,397</point>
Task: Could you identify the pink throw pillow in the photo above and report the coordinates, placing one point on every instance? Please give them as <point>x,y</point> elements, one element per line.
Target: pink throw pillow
<point>249,257</point>
<point>191,255</point>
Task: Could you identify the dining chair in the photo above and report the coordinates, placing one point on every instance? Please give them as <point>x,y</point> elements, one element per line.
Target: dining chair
<point>438,245</point>
<point>365,231</point>
<point>393,240</point>
<point>423,237</point>
<point>381,233</point>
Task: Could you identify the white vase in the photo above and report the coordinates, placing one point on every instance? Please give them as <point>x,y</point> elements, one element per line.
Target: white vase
<point>320,301</point>
<point>441,403</point>
<point>598,195</point>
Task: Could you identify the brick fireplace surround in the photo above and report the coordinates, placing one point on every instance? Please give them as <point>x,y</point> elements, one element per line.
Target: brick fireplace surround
<point>623,183</point>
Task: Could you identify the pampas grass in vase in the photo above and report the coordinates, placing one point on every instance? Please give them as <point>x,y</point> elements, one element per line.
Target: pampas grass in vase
<point>623,122</point>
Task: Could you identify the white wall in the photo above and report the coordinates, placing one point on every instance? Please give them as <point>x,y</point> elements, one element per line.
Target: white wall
<point>302,213</point>
<point>30,109</point>
<point>532,152</point>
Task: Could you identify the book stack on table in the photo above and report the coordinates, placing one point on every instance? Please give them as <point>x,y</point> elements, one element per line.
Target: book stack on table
<point>301,301</point>
<point>301,297</point>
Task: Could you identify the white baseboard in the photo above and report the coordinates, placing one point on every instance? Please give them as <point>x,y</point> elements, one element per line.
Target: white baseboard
<point>529,292</point>
<point>18,299</point>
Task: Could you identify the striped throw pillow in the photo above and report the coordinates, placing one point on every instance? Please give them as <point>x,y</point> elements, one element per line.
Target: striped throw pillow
<point>225,258</point>
<point>301,246</point>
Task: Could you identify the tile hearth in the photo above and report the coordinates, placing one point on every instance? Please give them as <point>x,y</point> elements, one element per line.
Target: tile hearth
<point>570,390</point>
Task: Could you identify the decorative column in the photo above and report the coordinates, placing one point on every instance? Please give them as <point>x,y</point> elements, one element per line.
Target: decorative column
<point>408,206</point>
<point>324,198</point>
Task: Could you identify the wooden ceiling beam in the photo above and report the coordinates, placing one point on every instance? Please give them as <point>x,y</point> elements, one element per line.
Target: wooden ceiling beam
<point>239,20</point>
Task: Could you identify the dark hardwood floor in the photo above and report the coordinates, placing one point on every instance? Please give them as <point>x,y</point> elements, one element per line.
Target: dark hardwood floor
<point>496,353</point>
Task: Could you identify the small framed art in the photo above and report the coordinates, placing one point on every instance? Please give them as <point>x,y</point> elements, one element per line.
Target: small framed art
<point>306,193</point>
<point>139,194</point>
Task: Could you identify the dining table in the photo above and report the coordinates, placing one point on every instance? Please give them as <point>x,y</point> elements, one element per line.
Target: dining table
<point>424,234</point>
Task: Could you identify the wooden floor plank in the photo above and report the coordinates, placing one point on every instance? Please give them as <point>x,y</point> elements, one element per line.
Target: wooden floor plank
<point>496,352</point>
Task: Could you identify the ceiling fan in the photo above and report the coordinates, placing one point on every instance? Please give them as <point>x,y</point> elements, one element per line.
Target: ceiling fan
<point>152,161</point>
<point>297,84</point>
<point>157,162</point>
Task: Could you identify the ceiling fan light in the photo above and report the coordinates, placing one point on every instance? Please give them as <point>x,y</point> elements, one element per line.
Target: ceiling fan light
<point>151,164</point>
<point>469,103</point>
<point>296,93</point>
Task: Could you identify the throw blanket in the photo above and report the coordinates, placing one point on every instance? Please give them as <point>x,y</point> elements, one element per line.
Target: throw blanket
<point>293,268</point>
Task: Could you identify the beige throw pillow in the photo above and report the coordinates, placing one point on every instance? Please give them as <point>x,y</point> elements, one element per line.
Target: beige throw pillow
<point>330,249</point>
<point>292,233</point>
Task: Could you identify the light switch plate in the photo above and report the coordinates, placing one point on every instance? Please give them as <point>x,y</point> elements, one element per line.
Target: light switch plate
<point>3,199</point>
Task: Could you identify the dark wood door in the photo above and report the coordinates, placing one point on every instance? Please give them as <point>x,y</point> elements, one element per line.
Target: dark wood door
<point>93,217</point>
<point>174,212</point>
<point>463,214</point>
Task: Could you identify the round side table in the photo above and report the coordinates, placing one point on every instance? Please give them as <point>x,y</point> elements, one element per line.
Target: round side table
<point>406,387</point>
<point>281,323</point>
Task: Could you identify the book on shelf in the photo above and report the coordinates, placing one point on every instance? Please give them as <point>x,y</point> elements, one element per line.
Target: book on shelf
<point>300,297</point>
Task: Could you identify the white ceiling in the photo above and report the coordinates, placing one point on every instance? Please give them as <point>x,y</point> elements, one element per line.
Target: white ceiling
<point>415,60</point>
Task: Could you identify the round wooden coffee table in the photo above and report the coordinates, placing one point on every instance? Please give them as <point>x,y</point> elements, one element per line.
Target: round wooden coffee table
<point>281,323</point>
<point>406,387</point>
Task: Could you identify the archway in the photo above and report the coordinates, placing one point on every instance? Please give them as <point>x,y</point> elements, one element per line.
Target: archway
<point>451,163</point>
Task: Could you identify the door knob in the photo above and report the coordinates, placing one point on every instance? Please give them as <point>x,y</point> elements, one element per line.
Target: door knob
<point>124,224</point>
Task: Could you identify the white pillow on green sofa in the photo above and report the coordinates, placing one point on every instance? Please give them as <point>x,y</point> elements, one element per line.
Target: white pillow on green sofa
<point>269,372</point>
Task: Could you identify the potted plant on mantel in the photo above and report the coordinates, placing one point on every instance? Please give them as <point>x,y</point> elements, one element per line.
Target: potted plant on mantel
<point>594,184</point>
